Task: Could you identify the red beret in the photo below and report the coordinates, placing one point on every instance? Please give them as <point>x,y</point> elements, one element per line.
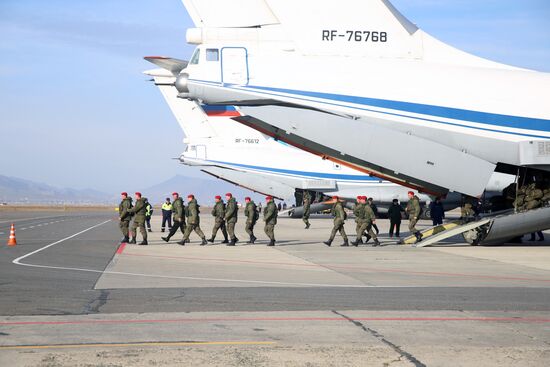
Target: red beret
<point>218,197</point>
<point>247,198</point>
<point>359,197</point>
<point>269,197</point>
<point>229,194</point>
<point>138,193</point>
<point>124,193</point>
<point>335,197</point>
<point>411,193</point>
<point>364,197</point>
<point>191,196</point>
<point>175,194</point>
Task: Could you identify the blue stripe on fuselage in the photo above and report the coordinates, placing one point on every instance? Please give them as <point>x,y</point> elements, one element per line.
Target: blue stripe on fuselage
<point>516,122</point>
<point>304,173</point>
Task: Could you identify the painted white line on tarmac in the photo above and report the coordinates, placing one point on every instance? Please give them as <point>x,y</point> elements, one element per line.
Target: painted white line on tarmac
<point>18,262</point>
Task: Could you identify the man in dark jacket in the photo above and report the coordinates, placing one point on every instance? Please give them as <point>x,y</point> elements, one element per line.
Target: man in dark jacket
<point>394,214</point>
<point>178,209</point>
<point>437,213</point>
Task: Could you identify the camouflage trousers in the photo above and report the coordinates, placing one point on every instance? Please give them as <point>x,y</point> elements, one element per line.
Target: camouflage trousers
<point>219,224</point>
<point>269,230</point>
<point>177,225</point>
<point>231,229</point>
<point>412,225</point>
<point>193,227</point>
<point>141,225</point>
<point>305,218</point>
<point>338,227</point>
<point>365,226</point>
<point>467,211</point>
<point>124,227</point>
<point>249,227</point>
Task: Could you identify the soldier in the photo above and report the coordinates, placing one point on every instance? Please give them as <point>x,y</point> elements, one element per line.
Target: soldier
<point>178,209</point>
<point>370,219</point>
<point>139,219</point>
<point>467,211</point>
<point>375,211</point>
<point>533,197</point>
<point>270,219</point>
<point>193,221</point>
<point>413,210</point>
<point>231,213</point>
<point>218,212</point>
<point>148,214</point>
<point>394,213</point>
<point>125,216</point>
<point>359,212</point>
<point>251,214</point>
<point>166,215</point>
<point>340,217</point>
<point>307,204</point>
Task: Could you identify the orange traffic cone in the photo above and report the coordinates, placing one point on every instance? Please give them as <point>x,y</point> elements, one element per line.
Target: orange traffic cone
<point>12,241</point>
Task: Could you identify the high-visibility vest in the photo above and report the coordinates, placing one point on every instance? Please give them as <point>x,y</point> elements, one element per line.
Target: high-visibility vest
<point>167,206</point>
<point>148,210</point>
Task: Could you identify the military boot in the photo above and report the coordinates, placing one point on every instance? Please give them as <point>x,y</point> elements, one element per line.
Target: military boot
<point>307,226</point>
<point>357,242</point>
<point>418,236</point>
<point>125,239</point>
<point>211,239</point>
<point>271,243</point>
<point>132,241</point>
<point>253,239</point>
<point>182,243</point>
<point>367,239</point>
<point>345,244</point>
<point>232,243</point>
<point>225,240</point>
<point>165,239</point>
<point>204,242</point>
<point>143,243</point>
<point>328,243</point>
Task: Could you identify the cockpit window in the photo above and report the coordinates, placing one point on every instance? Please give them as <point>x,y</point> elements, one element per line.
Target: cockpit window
<point>195,58</point>
<point>212,54</point>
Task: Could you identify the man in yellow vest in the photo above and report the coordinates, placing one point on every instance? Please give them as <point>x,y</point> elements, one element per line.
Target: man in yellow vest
<point>166,215</point>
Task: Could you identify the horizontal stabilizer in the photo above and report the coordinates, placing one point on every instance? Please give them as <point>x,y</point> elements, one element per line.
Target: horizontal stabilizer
<point>175,66</point>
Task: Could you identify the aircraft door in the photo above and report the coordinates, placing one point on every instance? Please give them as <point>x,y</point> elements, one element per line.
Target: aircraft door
<point>201,152</point>
<point>235,65</point>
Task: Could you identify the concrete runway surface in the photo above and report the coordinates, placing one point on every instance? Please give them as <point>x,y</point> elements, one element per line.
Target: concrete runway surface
<point>71,296</point>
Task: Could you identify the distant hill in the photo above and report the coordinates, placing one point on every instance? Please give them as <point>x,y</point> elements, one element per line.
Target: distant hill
<point>19,191</point>
<point>204,190</point>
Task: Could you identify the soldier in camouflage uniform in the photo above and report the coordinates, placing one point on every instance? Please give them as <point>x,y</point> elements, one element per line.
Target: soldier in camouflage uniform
<point>414,211</point>
<point>533,196</point>
<point>251,214</point>
<point>218,212</point>
<point>231,214</point>
<point>124,216</point>
<point>340,217</point>
<point>193,221</point>
<point>139,219</point>
<point>178,210</point>
<point>307,204</point>
<point>364,217</point>
<point>270,219</point>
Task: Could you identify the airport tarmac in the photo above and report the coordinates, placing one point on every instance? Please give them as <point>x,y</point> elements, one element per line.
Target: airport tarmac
<point>74,297</point>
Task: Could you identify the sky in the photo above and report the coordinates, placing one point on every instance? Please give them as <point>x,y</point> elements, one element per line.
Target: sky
<point>76,110</point>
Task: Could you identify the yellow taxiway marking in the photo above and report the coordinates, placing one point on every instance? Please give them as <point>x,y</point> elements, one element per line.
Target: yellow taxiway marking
<point>144,344</point>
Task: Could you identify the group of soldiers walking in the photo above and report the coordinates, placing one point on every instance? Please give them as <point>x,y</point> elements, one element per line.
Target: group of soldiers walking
<point>187,218</point>
<point>365,219</point>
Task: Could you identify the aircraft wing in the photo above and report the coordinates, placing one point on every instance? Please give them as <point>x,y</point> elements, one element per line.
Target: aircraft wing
<point>175,66</point>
